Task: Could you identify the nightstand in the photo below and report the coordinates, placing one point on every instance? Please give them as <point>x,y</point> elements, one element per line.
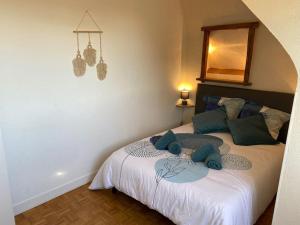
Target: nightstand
<point>183,108</point>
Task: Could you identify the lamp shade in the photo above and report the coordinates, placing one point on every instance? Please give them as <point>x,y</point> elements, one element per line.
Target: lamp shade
<point>184,94</point>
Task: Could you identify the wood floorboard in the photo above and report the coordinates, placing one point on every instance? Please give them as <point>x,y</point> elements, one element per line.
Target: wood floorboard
<point>84,207</point>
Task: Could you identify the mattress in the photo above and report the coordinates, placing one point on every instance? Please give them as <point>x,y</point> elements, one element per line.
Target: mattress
<point>189,193</point>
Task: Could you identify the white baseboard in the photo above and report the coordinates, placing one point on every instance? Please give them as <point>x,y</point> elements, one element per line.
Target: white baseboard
<point>51,194</point>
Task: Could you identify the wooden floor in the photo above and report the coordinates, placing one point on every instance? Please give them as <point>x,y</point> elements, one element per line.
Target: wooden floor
<point>84,207</point>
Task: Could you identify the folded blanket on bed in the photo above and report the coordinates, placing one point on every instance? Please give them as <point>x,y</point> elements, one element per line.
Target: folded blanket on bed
<point>201,153</point>
<point>174,148</point>
<point>206,146</point>
<point>154,139</point>
<point>192,141</point>
<point>214,161</point>
<point>163,142</point>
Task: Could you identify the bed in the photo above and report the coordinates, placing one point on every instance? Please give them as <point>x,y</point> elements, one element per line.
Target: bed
<point>189,193</point>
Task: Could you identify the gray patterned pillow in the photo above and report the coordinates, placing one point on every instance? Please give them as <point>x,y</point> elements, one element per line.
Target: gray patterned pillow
<point>233,106</point>
<point>274,119</point>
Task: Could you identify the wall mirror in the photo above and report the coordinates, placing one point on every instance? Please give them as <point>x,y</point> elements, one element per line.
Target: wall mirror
<point>227,52</point>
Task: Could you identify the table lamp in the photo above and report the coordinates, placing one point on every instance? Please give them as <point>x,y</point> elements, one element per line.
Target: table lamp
<point>184,95</point>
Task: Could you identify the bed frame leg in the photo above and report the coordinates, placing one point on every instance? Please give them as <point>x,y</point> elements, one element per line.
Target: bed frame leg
<point>114,190</point>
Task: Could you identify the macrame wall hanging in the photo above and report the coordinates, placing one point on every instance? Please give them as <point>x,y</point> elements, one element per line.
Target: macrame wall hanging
<point>89,54</point>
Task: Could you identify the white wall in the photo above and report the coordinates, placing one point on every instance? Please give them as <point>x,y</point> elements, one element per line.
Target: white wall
<point>282,17</point>
<point>6,213</point>
<point>56,124</point>
<point>272,68</point>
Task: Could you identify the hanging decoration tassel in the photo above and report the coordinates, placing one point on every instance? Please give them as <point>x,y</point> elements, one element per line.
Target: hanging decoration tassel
<point>101,66</point>
<point>90,54</point>
<point>79,65</point>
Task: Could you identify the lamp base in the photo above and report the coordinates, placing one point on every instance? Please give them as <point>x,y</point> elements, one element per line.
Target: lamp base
<point>184,102</point>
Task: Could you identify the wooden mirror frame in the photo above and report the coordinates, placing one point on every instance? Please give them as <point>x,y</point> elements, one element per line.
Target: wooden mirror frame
<point>207,30</point>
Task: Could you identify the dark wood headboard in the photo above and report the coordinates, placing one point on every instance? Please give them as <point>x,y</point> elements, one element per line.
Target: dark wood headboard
<point>276,100</point>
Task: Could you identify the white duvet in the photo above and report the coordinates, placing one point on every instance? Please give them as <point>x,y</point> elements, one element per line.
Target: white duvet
<point>235,195</point>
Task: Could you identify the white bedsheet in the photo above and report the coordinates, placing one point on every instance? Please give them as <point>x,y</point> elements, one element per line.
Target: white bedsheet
<point>225,197</point>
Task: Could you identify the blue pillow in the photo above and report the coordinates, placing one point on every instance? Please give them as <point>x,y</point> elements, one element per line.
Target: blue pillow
<point>275,119</point>
<point>251,130</point>
<point>211,102</point>
<point>250,109</point>
<point>165,140</point>
<point>211,106</point>
<point>210,121</point>
<point>233,106</point>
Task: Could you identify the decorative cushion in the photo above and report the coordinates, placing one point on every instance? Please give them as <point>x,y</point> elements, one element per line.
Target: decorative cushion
<point>233,106</point>
<point>237,107</point>
<point>165,140</point>
<point>251,130</point>
<point>275,119</point>
<point>250,109</point>
<point>211,106</point>
<point>210,121</point>
<point>211,102</point>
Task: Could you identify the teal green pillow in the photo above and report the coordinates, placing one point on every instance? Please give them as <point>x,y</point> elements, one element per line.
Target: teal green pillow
<point>210,121</point>
<point>165,140</point>
<point>251,130</point>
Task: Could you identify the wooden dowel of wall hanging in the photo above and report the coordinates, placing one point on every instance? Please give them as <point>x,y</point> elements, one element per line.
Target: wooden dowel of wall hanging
<point>87,32</point>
